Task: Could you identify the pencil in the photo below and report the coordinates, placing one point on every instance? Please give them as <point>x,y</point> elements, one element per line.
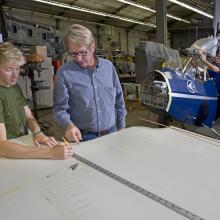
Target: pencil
<point>65,141</point>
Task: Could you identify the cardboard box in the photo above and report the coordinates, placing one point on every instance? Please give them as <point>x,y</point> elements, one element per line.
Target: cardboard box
<point>41,50</point>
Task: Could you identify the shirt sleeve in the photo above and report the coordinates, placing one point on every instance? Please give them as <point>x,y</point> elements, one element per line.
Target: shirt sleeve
<point>119,103</point>
<point>61,98</point>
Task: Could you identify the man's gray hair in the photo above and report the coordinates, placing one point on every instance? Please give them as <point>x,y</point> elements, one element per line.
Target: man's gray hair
<point>79,35</point>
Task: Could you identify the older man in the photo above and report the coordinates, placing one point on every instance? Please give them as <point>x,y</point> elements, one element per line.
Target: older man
<point>88,98</point>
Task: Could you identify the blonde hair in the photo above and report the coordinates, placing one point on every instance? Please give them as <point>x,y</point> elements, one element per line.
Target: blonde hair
<point>79,35</point>
<point>10,54</point>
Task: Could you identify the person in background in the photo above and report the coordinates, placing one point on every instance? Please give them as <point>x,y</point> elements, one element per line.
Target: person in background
<point>213,68</point>
<point>88,98</point>
<point>214,72</point>
<point>16,117</point>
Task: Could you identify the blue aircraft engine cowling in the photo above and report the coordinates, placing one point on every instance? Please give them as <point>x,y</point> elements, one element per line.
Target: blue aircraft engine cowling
<point>182,96</point>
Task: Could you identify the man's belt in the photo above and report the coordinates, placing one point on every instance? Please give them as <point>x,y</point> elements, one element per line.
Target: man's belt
<point>100,133</point>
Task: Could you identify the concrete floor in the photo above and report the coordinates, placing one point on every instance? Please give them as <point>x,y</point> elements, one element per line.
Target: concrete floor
<point>51,128</point>
<point>132,119</point>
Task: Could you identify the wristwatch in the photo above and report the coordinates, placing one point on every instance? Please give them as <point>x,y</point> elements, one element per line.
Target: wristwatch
<point>37,132</point>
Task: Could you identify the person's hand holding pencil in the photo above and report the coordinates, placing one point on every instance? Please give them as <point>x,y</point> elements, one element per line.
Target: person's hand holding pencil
<point>61,151</point>
<point>68,149</point>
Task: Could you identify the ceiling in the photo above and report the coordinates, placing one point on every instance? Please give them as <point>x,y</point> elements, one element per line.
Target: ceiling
<point>117,13</point>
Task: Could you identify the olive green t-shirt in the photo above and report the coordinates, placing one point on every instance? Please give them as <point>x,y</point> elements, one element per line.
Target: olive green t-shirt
<point>12,112</point>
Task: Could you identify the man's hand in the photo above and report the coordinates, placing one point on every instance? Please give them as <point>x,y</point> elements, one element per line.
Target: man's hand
<point>41,138</point>
<point>62,151</point>
<point>72,133</point>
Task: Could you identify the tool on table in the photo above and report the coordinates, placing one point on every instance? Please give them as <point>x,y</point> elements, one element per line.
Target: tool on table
<point>141,190</point>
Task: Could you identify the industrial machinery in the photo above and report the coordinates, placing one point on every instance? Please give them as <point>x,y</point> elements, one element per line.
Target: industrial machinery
<point>185,92</point>
<point>26,33</point>
<point>33,66</point>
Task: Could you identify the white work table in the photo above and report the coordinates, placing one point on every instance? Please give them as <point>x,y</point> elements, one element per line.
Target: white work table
<point>181,168</point>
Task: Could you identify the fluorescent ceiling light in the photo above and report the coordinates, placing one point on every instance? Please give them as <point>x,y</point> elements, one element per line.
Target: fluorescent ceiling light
<point>94,12</point>
<point>150,9</point>
<point>178,18</point>
<point>192,8</point>
<point>137,5</point>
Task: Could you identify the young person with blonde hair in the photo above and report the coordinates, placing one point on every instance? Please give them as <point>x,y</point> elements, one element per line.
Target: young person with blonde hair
<point>16,117</point>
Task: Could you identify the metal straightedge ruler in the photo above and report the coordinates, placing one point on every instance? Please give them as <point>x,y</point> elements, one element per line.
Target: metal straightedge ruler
<point>141,190</point>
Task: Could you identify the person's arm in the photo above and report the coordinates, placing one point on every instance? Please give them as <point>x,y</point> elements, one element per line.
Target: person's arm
<point>39,137</point>
<point>10,149</point>
<point>119,104</point>
<point>209,65</point>
<point>60,109</point>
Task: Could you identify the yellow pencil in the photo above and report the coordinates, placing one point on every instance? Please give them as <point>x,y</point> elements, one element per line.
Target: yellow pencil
<point>65,141</point>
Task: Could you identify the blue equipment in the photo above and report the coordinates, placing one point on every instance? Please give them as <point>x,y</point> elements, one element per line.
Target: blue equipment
<point>183,97</point>
<point>186,93</point>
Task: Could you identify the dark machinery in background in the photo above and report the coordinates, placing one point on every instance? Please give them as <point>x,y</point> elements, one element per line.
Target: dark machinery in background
<point>32,67</point>
<point>25,33</point>
<point>180,91</point>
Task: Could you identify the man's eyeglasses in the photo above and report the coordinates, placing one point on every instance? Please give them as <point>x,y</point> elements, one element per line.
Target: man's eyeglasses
<point>75,54</point>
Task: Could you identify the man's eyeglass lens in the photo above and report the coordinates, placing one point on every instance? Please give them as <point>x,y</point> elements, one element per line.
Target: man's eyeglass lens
<point>75,54</point>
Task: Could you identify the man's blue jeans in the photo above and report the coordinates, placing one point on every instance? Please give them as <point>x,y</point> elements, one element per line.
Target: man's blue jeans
<point>86,136</point>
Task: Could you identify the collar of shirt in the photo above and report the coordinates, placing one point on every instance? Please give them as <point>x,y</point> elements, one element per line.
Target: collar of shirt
<point>97,62</point>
